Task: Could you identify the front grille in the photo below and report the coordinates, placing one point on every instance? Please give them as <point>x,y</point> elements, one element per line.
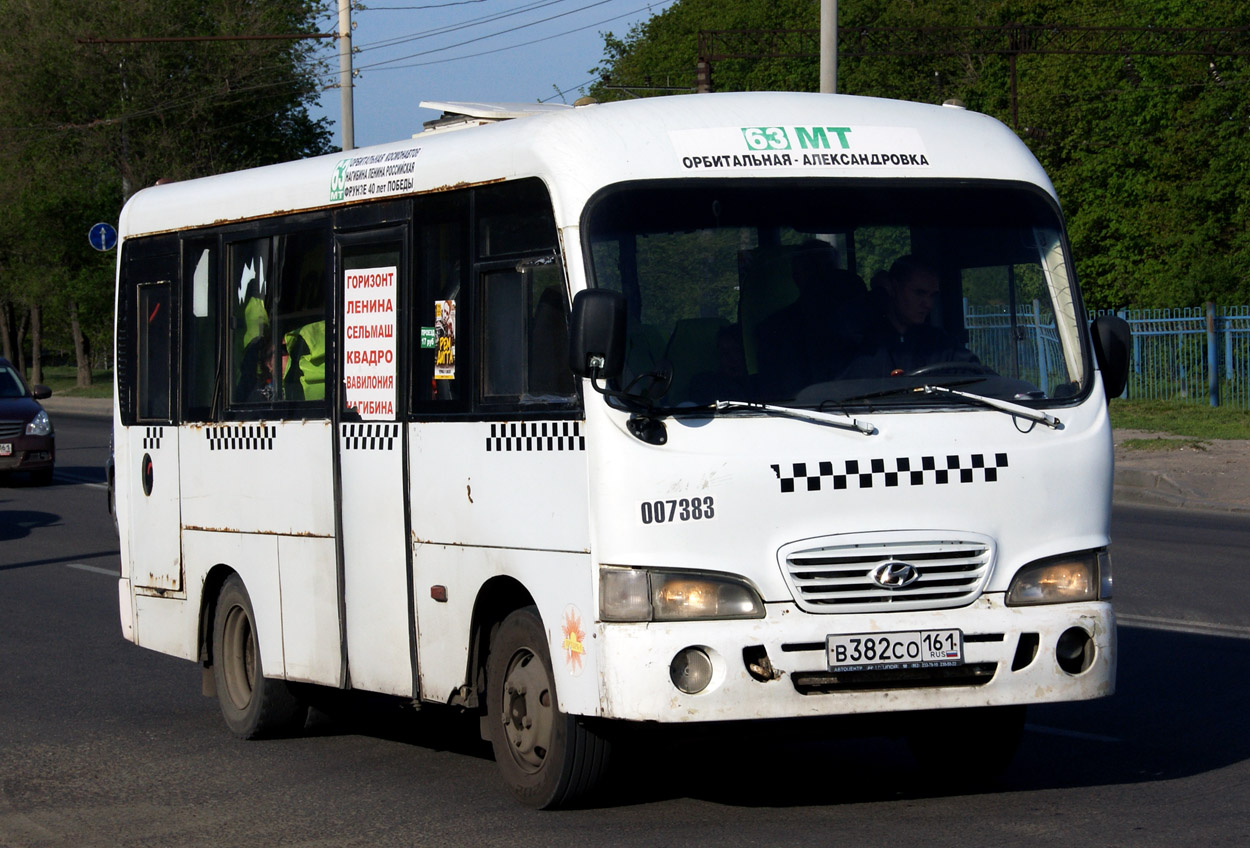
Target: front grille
<point>835,574</point>
<point>824,682</point>
<point>11,429</point>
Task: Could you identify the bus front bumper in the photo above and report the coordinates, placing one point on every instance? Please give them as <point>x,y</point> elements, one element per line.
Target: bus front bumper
<point>778,666</point>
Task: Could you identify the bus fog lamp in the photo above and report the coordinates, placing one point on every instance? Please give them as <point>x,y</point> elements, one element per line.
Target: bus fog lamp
<point>1056,581</point>
<point>691,670</point>
<point>1074,651</point>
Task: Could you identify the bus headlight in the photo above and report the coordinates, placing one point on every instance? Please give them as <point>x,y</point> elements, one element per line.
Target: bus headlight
<point>1084,576</point>
<point>637,594</point>
<point>40,425</point>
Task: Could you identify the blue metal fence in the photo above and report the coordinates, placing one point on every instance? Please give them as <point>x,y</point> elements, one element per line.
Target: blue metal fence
<point>1026,345</point>
<point>1171,357</point>
<point>1174,351</point>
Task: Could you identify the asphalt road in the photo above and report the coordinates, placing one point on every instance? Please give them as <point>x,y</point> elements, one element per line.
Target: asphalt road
<point>104,743</point>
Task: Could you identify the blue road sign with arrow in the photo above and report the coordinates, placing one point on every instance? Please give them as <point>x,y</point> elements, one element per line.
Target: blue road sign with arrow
<point>103,236</point>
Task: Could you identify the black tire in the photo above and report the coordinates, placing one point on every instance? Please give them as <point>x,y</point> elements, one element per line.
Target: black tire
<point>967,746</point>
<point>547,758</point>
<point>253,705</point>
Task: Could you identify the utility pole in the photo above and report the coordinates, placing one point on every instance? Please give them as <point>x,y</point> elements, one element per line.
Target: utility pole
<point>828,46</point>
<point>348,119</point>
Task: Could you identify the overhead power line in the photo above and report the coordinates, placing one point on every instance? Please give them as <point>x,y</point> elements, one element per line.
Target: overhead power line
<point>484,37</point>
<point>192,38</point>
<point>456,27</point>
<point>387,66</point>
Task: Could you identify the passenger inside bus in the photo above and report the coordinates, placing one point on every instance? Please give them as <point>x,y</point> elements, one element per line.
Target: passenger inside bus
<point>256,380</point>
<point>304,362</point>
<point>900,338</point>
<point>814,338</point>
<point>252,347</point>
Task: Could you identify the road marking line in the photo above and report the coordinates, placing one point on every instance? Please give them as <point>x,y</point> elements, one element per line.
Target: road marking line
<point>1072,734</point>
<point>93,568</point>
<point>1180,625</point>
<point>77,480</point>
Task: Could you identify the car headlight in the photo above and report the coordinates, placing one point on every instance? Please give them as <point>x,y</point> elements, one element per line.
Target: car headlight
<point>638,594</point>
<point>40,425</point>
<point>1084,576</point>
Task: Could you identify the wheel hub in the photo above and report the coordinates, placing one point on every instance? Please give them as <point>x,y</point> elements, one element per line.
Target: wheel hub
<point>527,711</point>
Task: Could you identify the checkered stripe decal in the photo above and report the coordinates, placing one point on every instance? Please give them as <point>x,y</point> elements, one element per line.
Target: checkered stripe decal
<point>152,438</point>
<point>536,436</point>
<point>240,437</point>
<point>865,474</point>
<point>372,437</point>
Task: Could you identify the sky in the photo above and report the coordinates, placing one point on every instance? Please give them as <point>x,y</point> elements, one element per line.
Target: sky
<point>497,51</point>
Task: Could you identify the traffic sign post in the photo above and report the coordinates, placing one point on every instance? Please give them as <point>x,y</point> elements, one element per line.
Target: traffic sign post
<point>103,236</point>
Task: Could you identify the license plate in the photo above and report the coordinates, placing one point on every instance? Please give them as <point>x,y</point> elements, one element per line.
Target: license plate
<point>6,450</point>
<point>908,649</point>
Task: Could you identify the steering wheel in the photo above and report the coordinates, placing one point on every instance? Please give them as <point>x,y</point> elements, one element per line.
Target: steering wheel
<point>951,367</point>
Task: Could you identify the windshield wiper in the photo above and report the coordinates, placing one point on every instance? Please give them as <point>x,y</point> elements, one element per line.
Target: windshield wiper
<point>906,389</point>
<point>845,422</point>
<point>1001,405</point>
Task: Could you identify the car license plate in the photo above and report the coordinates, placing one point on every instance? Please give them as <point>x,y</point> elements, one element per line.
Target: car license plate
<point>6,450</point>
<point>908,649</point>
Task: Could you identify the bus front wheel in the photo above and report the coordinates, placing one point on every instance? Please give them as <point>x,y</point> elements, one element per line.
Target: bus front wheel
<point>548,758</point>
<point>254,706</point>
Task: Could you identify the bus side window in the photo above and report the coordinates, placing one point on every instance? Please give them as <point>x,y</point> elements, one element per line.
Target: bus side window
<point>441,309</point>
<point>200,331</point>
<point>526,336</point>
<point>277,338</point>
<point>154,350</point>
<point>251,338</point>
<point>299,316</point>
<point>549,373</point>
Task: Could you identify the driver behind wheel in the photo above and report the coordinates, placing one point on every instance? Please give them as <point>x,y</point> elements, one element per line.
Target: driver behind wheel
<point>901,339</point>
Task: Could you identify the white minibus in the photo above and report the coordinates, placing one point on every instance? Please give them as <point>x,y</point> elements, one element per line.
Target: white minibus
<point>689,409</point>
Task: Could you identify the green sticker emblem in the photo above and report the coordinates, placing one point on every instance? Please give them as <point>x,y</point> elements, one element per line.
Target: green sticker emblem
<point>338,184</point>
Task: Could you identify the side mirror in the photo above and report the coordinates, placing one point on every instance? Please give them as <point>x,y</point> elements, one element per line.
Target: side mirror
<point>1112,341</point>
<point>40,391</point>
<point>597,334</point>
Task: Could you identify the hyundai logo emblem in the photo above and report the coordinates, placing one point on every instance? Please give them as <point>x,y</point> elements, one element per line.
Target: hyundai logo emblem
<point>894,575</point>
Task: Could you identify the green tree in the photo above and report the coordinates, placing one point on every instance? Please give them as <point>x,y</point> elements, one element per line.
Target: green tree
<point>84,125</point>
<point>1149,153</point>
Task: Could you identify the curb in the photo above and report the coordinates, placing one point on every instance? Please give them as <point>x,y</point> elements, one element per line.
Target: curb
<point>79,407</point>
<point>1150,488</point>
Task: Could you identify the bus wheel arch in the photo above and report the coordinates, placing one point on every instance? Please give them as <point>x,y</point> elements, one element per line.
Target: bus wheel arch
<point>213,581</point>
<point>498,597</point>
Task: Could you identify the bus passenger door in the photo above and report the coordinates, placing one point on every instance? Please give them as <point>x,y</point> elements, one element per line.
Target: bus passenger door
<point>372,273</point>
<point>149,477</point>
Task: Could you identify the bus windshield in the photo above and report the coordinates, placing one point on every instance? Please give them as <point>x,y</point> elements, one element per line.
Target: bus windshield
<point>833,293</point>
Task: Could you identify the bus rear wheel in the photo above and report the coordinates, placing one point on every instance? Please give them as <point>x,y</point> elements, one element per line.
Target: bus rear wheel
<point>548,758</point>
<point>253,705</point>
